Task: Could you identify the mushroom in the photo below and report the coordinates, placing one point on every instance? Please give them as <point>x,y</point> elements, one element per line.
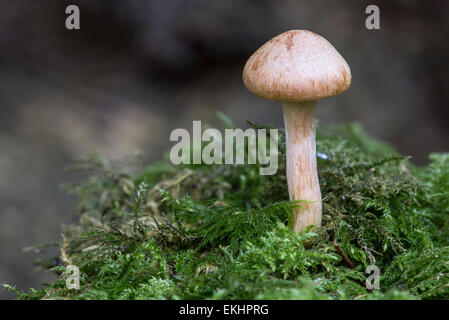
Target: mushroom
<point>297,68</point>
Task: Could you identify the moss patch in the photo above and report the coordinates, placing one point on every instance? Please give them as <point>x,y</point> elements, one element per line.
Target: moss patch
<point>221,232</point>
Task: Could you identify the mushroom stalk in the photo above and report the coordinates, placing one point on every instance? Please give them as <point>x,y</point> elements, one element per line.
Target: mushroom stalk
<point>302,175</point>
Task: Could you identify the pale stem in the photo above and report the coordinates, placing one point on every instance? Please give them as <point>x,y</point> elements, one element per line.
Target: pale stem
<point>302,174</point>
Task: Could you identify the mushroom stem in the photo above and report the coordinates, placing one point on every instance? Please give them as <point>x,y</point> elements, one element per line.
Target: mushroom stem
<point>302,175</point>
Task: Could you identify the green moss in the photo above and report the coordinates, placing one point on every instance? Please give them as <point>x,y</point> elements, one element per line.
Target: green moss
<point>222,232</point>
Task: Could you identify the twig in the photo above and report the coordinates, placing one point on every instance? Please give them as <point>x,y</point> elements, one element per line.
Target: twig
<point>348,261</point>
<point>64,256</point>
<point>340,251</point>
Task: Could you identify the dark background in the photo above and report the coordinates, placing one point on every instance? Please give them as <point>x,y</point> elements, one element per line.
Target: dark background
<point>138,69</point>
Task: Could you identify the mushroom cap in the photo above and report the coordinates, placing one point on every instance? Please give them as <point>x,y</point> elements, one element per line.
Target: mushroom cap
<point>297,65</point>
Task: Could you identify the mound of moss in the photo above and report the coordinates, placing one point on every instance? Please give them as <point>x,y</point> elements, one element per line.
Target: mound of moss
<point>222,232</point>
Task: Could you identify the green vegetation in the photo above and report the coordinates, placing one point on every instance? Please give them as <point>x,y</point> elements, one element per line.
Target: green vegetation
<point>221,232</point>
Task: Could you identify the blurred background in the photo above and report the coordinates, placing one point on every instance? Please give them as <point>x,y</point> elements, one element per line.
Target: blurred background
<point>138,69</point>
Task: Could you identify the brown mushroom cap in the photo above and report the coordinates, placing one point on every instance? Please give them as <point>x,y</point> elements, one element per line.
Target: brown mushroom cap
<point>295,66</point>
